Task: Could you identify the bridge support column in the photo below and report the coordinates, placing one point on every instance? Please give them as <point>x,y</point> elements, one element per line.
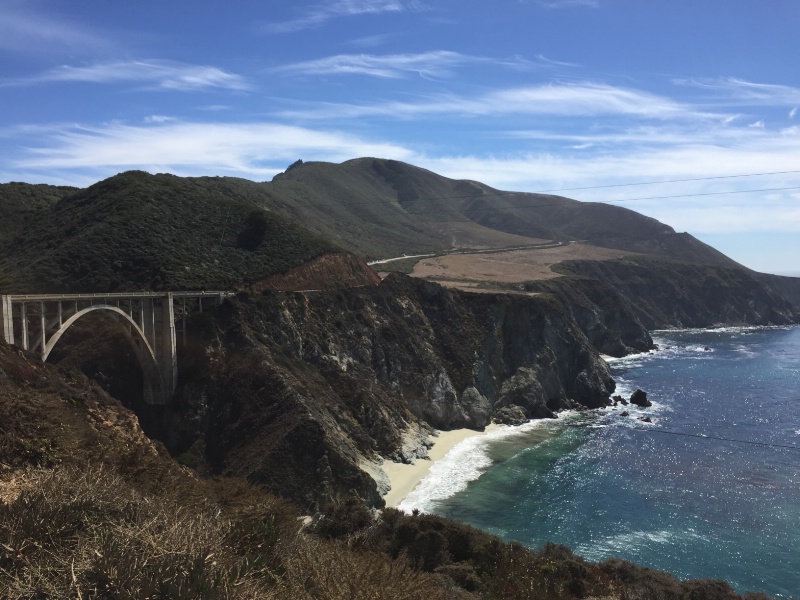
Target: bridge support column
<point>148,322</point>
<point>8,319</point>
<point>168,356</point>
<point>24,319</point>
<point>42,327</point>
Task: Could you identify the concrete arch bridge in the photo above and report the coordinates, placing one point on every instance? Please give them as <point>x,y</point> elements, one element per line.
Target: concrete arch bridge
<point>149,320</point>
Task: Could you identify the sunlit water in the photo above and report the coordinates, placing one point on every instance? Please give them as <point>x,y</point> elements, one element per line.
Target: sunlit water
<point>670,495</point>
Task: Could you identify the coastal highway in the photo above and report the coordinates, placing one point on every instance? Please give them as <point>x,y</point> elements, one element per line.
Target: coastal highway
<point>469,251</point>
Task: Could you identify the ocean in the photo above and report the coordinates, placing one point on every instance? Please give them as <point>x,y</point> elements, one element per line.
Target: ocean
<point>709,489</point>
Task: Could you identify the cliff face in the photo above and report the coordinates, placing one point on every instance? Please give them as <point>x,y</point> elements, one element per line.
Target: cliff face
<point>303,386</point>
<point>661,294</point>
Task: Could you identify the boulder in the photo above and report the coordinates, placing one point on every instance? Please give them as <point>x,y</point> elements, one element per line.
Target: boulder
<point>510,415</point>
<point>639,398</point>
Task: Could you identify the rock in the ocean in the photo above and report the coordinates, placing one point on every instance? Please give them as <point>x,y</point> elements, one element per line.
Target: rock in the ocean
<point>639,398</point>
<point>624,413</point>
<point>645,419</point>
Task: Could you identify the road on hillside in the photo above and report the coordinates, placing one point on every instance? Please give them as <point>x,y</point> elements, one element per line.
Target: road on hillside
<point>486,251</point>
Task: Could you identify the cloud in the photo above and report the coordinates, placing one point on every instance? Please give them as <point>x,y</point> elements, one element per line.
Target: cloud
<point>164,74</point>
<point>642,135</point>
<point>245,149</point>
<point>158,119</point>
<point>29,33</point>
<point>395,66</point>
<point>568,3</point>
<point>792,113</point>
<point>575,99</point>
<point>746,92</point>
<point>322,13</point>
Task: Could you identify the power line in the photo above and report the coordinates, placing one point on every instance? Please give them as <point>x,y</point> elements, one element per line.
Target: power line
<point>707,194</point>
<point>495,194</point>
<point>613,185</point>
<point>576,203</point>
<point>713,437</point>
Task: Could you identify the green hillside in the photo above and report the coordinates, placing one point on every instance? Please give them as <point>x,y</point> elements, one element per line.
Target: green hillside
<point>139,231</point>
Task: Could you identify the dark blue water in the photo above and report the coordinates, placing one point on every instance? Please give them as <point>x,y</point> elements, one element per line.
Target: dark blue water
<point>677,494</point>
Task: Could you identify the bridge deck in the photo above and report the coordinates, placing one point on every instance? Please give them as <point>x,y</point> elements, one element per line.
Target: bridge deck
<point>114,295</point>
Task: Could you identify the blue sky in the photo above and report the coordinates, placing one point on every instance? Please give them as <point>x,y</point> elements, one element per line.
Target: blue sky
<point>528,95</point>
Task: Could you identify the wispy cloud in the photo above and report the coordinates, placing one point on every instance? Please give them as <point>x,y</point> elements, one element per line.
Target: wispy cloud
<point>395,66</point>
<point>747,92</point>
<point>158,119</point>
<point>322,13</point>
<point>29,33</point>
<point>578,99</point>
<point>163,74</point>
<point>245,149</point>
<point>568,3</point>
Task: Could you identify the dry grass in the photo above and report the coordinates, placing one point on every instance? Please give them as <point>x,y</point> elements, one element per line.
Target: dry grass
<point>88,533</point>
<point>464,271</point>
<point>328,571</point>
<point>12,484</point>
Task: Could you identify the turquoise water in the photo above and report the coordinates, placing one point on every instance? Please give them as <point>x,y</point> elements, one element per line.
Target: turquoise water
<point>677,494</point>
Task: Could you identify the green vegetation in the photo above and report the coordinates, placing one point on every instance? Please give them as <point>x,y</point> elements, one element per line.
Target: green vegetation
<point>137,231</point>
<point>20,201</point>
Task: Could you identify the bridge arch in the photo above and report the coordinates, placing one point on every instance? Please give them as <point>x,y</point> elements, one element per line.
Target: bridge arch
<point>36,322</point>
<point>154,388</point>
<point>66,325</point>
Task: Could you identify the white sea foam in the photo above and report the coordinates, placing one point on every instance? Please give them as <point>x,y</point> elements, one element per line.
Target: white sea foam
<point>465,462</point>
<point>634,541</point>
<point>726,329</point>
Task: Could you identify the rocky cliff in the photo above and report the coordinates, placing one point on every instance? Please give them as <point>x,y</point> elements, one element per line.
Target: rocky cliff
<point>299,388</point>
<point>662,293</point>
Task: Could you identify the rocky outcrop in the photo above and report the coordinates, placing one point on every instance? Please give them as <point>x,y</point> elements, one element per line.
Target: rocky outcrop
<point>327,272</point>
<point>661,293</point>
<point>302,388</point>
<point>639,398</point>
<point>510,415</point>
<point>608,319</point>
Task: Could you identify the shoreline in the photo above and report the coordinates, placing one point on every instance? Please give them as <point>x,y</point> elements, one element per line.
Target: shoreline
<point>404,478</point>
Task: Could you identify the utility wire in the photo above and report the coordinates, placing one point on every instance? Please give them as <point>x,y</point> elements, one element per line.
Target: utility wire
<point>613,185</point>
<point>575,203</point>
<point>707,194</point>
<point>713,437</point>
<point>597,187</point>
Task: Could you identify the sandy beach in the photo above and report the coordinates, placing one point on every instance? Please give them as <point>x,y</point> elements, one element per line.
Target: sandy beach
<point>404,478</point>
